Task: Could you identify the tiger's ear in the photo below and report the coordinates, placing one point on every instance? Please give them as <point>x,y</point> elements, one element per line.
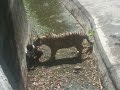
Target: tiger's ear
<point>49,34</point>
<point>34,38</point>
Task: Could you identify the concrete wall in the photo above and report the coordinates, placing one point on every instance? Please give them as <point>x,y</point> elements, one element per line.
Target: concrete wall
<point>79,13</point>
<point>14,36</point>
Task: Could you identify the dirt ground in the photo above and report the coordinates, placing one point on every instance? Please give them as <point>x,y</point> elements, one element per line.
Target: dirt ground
<point>67,72</point>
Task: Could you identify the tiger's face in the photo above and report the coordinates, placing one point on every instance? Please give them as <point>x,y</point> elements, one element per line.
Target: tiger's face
<point>37,42</point>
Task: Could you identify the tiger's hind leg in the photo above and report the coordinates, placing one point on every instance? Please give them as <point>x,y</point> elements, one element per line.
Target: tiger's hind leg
<point>90,48</point>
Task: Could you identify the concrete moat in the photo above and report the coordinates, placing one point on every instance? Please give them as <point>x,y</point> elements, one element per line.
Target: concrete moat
<point>67,72</point>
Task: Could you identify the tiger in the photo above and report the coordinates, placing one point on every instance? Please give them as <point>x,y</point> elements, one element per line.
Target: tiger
<point>64,40</point>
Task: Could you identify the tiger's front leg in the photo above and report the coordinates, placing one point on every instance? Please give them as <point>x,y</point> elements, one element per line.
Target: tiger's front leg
<point>53,53</point>
<point>79,48</point>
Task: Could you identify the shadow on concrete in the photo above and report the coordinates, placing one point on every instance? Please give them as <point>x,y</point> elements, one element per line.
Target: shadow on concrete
<point>57,62</point>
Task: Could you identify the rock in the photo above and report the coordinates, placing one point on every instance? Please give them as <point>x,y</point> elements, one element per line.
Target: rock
<point>78,68</point>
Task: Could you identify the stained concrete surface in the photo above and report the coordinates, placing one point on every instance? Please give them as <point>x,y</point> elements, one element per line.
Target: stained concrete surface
<point>14,35</point>
<point>4,75</point>
<point>106,17</point>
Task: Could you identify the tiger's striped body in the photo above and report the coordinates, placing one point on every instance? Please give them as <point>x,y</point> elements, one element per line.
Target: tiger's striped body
<point>64,40</point>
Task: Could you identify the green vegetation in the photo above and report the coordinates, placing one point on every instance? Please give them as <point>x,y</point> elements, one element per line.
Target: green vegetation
<point>91,33</point>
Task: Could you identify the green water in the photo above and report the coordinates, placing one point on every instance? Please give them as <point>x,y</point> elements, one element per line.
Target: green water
<point>50,16</point>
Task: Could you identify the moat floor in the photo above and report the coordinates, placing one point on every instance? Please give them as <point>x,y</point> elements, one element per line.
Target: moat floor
<point>67,72</point>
